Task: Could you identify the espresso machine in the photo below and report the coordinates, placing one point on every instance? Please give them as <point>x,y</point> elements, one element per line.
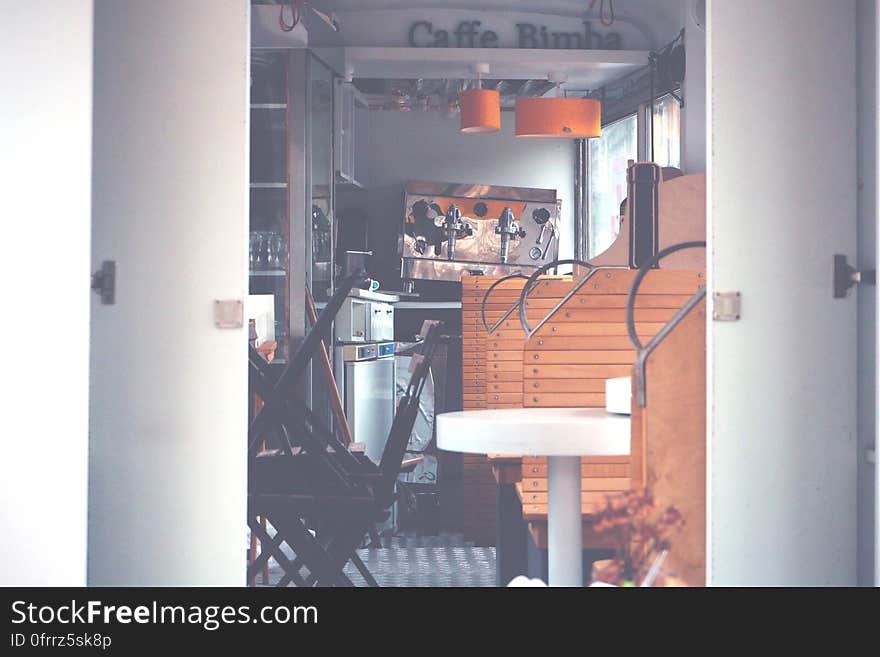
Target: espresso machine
<point>452,228</point>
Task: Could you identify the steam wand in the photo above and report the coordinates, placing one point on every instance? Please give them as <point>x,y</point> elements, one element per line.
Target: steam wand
<point>455,228</point>
<point>509,230</point>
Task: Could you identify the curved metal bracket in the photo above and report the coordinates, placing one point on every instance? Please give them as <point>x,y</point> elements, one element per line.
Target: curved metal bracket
<point>644,351</point>
<point>571,293</point>
<point>486,297</point>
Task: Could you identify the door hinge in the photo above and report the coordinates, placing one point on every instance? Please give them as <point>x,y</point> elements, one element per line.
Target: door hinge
<point>845,276</point>
<point>104,282</point>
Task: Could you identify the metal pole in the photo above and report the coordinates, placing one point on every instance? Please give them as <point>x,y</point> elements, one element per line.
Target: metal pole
<point>582,227</point>
<point>564,549</point>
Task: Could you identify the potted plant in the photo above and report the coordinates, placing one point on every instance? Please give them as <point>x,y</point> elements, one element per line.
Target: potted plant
<point>641,535</point>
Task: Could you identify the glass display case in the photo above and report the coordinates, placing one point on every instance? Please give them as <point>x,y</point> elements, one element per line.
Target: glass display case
<point>292,229</point>
<point>320,140</point>
<point>268,253</point>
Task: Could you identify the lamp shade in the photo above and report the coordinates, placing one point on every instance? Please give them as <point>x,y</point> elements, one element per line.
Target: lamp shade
<point>480,111</point>
<point>555,118</point>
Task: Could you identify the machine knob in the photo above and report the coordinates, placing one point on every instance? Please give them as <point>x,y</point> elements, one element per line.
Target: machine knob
<point>541,216</point>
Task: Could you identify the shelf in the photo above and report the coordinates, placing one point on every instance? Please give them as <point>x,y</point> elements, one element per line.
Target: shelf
<point>268,272</point>
<point>268,106</point>
<point>261,185</point>
<point>585,69</point>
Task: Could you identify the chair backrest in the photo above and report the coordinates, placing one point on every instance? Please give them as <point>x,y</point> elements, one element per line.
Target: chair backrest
<point>276,399</point>
<point>297,426</point>
<point>405,417</point>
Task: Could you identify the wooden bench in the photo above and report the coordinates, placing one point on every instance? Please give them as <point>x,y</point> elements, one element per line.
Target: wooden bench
<point>566,362</point>
<point>668,451</point>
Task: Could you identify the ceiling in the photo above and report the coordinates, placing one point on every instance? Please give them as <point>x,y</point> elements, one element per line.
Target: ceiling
<point>425,85</point>
<point>440,94</point>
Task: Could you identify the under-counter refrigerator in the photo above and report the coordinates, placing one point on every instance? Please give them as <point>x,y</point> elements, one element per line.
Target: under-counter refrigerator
<point>365,376</point>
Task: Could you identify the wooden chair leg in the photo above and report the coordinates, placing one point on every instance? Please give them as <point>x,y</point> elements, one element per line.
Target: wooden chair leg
<point>252,579</point>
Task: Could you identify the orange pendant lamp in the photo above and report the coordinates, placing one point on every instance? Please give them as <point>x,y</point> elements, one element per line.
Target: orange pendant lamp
<point>480,111</point>
<point>480,108</point>
<point>558,117</point>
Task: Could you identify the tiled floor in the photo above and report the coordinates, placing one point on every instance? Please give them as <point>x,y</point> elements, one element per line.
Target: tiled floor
<point>412,561</point>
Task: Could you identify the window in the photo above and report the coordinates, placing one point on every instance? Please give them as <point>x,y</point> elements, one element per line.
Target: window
<point>609,155</point>
<point>667,132</point>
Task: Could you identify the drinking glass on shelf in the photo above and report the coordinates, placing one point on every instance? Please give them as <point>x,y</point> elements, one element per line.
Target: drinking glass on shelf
<point>263,251</point>
<point>271,254</point>
<point>254,251</point>
<point>277,248</point>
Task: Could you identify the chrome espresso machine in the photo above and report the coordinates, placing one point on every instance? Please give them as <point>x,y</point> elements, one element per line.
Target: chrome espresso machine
<point>450,228</point>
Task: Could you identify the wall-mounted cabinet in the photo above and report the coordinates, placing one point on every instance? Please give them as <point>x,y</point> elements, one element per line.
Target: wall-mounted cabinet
<point>352,134</point>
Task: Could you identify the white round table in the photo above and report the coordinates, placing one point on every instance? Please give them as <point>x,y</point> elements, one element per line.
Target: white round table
<point>561,434</point>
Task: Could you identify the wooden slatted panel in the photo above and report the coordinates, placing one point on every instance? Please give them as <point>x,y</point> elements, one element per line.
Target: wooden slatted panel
<point>493,377</point>
<point>570,352</point>
<point>670,433</point>
<point>477,479</point>
<point>601,476</point>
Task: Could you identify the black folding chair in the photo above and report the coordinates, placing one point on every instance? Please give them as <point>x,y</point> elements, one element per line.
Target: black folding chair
<point>282,425</point>
<point>341,494</point>
<point>344,541</point>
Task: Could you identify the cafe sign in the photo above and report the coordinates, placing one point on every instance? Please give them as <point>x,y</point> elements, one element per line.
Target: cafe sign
<point>473,34</point>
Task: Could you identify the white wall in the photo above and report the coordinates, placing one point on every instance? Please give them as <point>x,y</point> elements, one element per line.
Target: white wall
<point>45,168</point>
<point>782,380</point>
<point>877,247</point>
<point>429,146</point>
<point>167,484</point>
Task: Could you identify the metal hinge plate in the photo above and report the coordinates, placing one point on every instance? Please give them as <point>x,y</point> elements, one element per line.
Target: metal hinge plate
<point>726,306</point>
<point>228,313</point>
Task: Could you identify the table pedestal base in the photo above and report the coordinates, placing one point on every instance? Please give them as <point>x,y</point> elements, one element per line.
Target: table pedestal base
<point>564,556</point>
